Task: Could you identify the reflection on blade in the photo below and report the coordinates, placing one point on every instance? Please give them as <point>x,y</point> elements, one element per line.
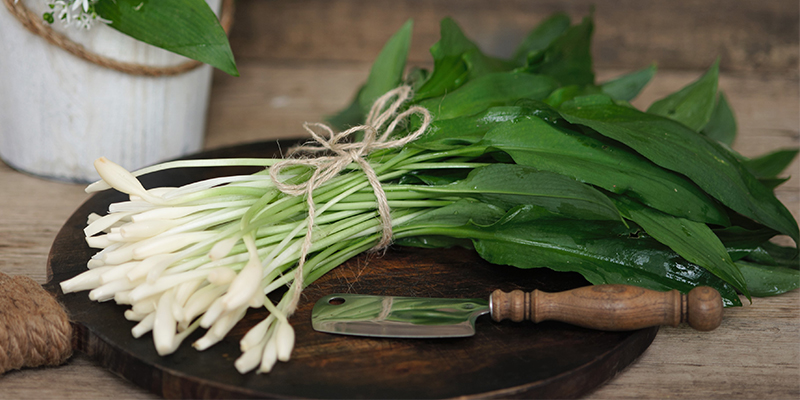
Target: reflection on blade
<point>402,317</point>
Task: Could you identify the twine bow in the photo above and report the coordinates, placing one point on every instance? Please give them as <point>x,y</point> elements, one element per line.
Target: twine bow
<point>344,153</point>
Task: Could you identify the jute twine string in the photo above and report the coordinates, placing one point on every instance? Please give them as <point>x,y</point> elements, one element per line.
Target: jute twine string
<point>37,25</point>
<point>34,329</point>
<point>343,153</point>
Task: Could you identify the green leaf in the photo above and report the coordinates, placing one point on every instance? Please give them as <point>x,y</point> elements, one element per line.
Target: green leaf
<point>456,59</point>
<point>603,252</point>
<point>693,104</point>
<point>434,176</point>
<point>627,87</point>
<point>450,70</point>
<point>538,144</point>
<point>766,280</point>
<point>541,36</point>
<point>510,185</point>
<point>694,241</point>
<point>568,59</point>
<point>349,116</point>
<point>387,70</point>
<point>781,255</point>
<point>673,146</point>
<point>186,27</point>
<point>566,93</point>
<point>772,164</point>
<point>772,183</point>
<point>722,124</point>
<point>462,212</point>
<point>449,74</point>
<point>741,242</point>
<point>385,75</point>
<point>433,242</point>
<point>497,89</point>
<point>480,64</point>
<point>416,77</point>
<point>447,134</point>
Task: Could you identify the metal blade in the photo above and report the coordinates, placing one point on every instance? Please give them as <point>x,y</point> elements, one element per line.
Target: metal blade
<point>399,317</point>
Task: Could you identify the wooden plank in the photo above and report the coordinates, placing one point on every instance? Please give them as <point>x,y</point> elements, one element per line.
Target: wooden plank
<point>754,354</point>
<point>748,36</point>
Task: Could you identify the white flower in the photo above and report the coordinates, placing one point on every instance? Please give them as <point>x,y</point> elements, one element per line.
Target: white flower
<point>77,13</point>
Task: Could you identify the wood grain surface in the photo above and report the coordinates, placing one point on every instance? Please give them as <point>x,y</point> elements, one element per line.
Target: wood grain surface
<point>287,79</point>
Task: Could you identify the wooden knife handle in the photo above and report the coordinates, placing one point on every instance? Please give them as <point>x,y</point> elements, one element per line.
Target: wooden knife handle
<point>612,307</point>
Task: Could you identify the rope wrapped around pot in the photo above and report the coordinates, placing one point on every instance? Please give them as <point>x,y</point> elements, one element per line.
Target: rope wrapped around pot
<point>37,25</point>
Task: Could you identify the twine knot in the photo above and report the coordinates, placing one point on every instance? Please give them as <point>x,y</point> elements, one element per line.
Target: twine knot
<point>385,110</point>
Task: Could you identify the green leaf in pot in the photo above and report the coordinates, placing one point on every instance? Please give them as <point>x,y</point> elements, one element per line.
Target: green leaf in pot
<point>186,27</point>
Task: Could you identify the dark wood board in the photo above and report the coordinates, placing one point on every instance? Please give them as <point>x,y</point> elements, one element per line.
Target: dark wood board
<point>546,360</point>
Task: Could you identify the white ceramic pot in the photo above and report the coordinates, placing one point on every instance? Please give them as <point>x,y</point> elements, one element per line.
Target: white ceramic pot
<point>58,113</point>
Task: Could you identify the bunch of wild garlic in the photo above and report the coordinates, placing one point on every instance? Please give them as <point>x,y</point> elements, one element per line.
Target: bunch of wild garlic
<point>202,254</point>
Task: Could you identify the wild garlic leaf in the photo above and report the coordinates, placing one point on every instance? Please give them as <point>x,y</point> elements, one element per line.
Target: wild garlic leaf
<point>722,124</point>
<point>673,146</point>
<point>509,185</point>
<point>386,74</point>
<point>692,105</point>
<point>694,241</point>
<point>351,115</point>
<point>536,143</point>
<point>568,59</point>
<point>781,255</point>
<point>741,242</point>
<point>769,280</point>
<point>492,90</point>
<point>460,213</point>
<point>186,27</point>
<point>450,70</point>
<point>481,64</point>
<point>628,86</point>
<point>540,37</point>
<point>772,164</point>
<point>388,69</point>
<point>448,134</point>
<point>603,252</point>
<point>566,93</point>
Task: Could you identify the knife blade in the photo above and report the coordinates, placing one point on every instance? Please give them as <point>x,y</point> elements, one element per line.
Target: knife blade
<point>603,307</point>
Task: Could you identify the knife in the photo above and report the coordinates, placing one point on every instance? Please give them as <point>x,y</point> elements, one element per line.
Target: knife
<point>602,307</point>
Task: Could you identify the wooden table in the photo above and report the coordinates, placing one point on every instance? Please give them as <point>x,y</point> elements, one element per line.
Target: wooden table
<point>302,61</point>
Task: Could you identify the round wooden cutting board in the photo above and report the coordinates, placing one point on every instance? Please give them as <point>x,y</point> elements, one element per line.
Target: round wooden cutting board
<point>526,360</point>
